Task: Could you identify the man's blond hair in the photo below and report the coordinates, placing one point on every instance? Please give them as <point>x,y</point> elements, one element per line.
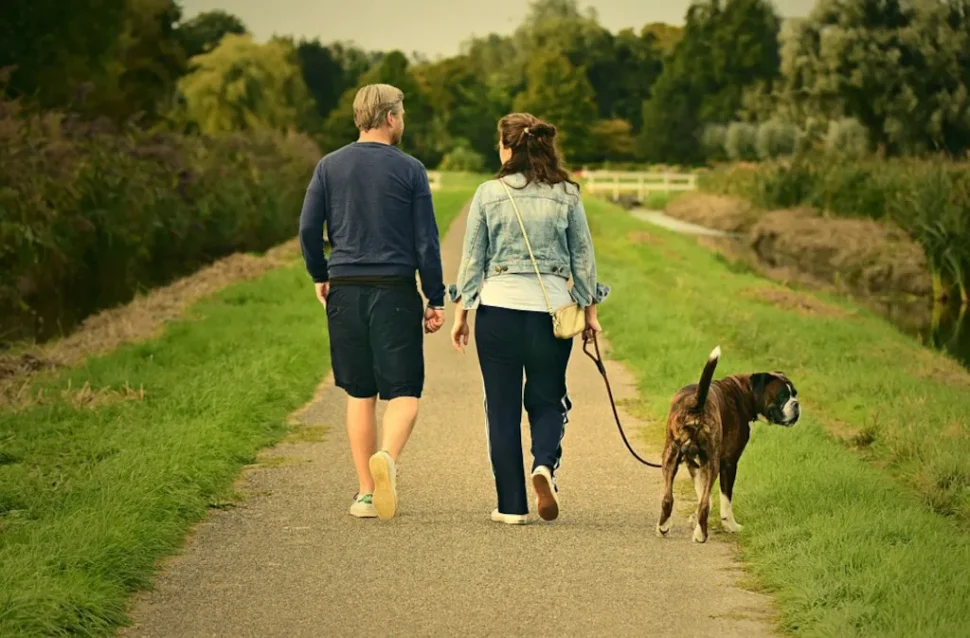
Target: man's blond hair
<point>372,104</point>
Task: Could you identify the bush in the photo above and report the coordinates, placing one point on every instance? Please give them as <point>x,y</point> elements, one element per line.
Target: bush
<point>89,215</point>
<point>741,140</point>
<point>713,140</point>
<point>929,198</point>
<point>463,160</point>
<point>776,139</point>
<point>847,136</point>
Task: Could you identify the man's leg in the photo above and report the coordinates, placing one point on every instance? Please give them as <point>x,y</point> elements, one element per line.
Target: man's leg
<point>396,318</point>
<point>362,433</point>
<point>350,356</point>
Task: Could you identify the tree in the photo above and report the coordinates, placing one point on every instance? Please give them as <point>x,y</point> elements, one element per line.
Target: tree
<point>204,32</point>
<point>665,36</point>
<point>143,78</point>
<point>57,47</point>
<point>723,51</point>
<point>612,140</point>
<point>464,106</point>
<point>242,85</point>
<point>560,94</point>
<point>900,68</point>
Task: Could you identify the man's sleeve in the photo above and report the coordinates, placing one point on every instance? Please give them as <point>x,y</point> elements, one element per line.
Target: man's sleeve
<point>312,220</point>
<point>426,240</point>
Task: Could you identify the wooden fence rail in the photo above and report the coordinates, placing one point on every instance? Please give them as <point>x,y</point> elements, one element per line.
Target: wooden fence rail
<point>623,182</point>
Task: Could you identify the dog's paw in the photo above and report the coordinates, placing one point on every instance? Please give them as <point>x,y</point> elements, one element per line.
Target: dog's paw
<point>663,528</point>
<point>731,525</point>
<point>699,535</point>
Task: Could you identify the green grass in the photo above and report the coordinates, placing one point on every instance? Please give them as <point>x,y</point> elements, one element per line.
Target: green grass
<point>456,190</point>
<point>850,538</point>
<point>90,499</point>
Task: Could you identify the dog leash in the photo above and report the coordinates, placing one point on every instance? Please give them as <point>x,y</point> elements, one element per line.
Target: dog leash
<point>598,360</point>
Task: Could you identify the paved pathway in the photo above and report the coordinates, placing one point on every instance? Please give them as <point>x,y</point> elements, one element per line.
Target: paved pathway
<point>659,218</point>
<point>290,561</point>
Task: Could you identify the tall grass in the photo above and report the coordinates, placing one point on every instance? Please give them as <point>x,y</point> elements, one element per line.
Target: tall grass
<point>929,198</point>
<point>90,213</point>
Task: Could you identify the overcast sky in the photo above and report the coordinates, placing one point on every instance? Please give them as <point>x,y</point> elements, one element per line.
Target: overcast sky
<point>432,27</point>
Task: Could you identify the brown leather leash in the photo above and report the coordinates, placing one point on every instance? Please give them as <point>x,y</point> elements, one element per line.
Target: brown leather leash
<point>598,360</point>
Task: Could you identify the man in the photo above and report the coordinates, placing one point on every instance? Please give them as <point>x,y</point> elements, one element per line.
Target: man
<point>375,201</point>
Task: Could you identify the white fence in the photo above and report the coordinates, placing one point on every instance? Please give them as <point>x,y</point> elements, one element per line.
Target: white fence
<point>619,182</point>
<point>434,179</point>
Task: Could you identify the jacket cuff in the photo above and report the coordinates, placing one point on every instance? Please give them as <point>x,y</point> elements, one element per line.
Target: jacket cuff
<point>600,294</point>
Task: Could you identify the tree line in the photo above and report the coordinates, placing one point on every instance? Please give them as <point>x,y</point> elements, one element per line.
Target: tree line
<point>735,82</point>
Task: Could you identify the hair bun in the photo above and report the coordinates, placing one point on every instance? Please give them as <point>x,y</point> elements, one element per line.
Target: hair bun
<point>543,129</point>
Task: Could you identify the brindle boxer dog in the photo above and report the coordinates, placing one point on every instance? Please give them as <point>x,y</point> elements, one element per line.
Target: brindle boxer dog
<point>708,427</point>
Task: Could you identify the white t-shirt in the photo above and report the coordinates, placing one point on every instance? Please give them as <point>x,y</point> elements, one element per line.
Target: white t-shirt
<point>523,292</point>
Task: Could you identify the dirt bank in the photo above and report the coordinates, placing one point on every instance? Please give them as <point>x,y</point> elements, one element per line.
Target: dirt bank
<point>860,256</point>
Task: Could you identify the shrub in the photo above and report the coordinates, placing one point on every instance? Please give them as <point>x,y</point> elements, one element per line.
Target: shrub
<point>90,214</point>
<point>741,141</point>
<point>462,159</point>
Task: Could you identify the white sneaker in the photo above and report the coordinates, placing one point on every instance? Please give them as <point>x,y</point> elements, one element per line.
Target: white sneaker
<point>385,484</point>
<point>509,519</point>
<point>547,500</point>
<point>363,506</point>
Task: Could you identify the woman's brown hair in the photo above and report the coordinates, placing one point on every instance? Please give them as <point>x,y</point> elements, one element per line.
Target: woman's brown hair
<point>535,153</point>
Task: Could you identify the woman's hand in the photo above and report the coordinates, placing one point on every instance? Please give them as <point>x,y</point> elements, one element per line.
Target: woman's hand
<point>459,331</point>
<point>592,323</point>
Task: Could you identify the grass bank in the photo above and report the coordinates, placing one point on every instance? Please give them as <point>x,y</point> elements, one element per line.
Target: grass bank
<point>109,473</point>
<point>855,519</point>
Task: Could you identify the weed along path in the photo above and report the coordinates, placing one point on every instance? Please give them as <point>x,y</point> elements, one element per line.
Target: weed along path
<point>290,560</point>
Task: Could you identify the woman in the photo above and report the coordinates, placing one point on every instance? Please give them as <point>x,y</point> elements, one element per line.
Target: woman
<point>513,327</point>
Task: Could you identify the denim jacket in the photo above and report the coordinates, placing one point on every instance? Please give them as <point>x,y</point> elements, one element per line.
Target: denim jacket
<point>556,222</point>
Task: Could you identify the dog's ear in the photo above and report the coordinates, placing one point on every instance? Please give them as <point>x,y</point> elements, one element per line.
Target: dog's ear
<point>759,381</point>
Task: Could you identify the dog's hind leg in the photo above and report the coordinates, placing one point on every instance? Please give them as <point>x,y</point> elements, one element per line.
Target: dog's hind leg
<point>707,473</point>
<point>698,479</point>
<point>670,463</point>
<point>729,471</point>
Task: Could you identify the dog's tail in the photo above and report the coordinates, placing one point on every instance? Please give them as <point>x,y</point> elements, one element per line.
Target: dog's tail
<point>707,377</point>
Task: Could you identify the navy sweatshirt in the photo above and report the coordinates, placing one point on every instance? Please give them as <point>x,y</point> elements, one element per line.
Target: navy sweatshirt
<point>376,203</point>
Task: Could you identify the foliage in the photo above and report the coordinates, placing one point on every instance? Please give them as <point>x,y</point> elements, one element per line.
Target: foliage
<point>205,31</point>
<point>90,214</point>
<point>241,85</point>
<point>463,159</point>
<point>724,50</point>
<point>900,68</point>
<point>741,141</point>
<point>559,93</point>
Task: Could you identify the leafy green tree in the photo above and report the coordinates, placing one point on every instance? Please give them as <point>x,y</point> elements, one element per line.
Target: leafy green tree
<point>464,106</point>
<point>559,93</point>
<point>901,68</point>
<point>58,47</point>
<point>612,140</point>
<point>143,78</point>
<point>726,48</point>
<point>204,32</point>
<point>242,85</point>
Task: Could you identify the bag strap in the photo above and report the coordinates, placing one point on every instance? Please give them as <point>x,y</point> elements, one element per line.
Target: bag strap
<point>598,360</point>
<point>535,264</point>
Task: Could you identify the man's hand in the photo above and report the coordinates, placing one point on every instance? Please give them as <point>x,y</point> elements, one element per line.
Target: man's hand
<point>434,318</point>
<point>322,291</point>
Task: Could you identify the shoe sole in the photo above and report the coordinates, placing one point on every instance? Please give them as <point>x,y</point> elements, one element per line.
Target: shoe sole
<point>547,505</point>
<point>385,500</point>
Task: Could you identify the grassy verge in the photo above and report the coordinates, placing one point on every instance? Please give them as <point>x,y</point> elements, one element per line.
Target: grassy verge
<point>843,512</point>
<point>456,190</point>
<point>95,486</point>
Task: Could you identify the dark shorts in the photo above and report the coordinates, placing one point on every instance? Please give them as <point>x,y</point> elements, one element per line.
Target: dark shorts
<point>377,340</point>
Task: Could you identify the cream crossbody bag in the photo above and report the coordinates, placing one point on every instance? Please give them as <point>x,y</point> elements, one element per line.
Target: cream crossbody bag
<point>567,321</point>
